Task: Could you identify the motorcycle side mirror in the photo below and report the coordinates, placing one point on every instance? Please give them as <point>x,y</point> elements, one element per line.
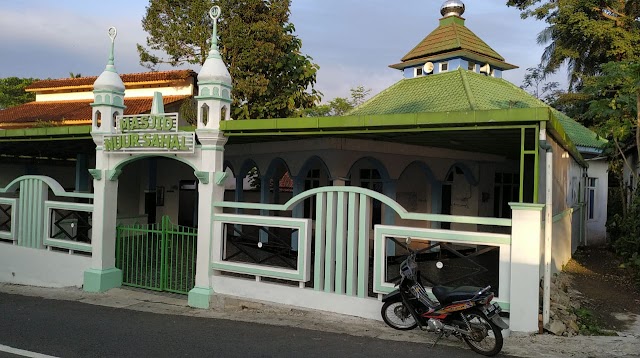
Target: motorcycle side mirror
<point>407,240</point>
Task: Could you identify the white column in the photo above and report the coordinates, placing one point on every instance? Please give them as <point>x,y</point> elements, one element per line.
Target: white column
<point>209,236</point>
<point>103,274</point>
<point>526,231</point>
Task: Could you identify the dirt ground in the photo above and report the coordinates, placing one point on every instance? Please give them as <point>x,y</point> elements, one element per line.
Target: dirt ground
<point>609,291</point>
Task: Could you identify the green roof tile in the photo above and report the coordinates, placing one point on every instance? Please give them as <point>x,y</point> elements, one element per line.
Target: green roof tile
<point>462,90</point>
<point>457,90</point>
<point>450,36</point>
<point>579,134</point>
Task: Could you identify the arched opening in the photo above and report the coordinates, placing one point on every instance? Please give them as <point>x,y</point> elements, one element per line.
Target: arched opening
<point>204,114</point>
<point>459,196</point>
<point>314,174</point>
<point>415,191</point>
<point>371,174</point>
<point>114,120</point>
<point>223,113</point>
<point>157,217</point>
<point>97,119</point>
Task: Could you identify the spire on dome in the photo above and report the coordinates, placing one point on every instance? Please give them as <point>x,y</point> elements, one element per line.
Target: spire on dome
<point>109,79</point>
<point>214,69</point>
<point>452,8</point>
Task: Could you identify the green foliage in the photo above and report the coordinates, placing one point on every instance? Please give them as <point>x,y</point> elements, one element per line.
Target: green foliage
<point>179,28</point>
<point>534,82</point>
<point>589,325</point>
<point>339,106</point>
<point>271,77</point>
<point>584,33</point>
<point>12,91</point>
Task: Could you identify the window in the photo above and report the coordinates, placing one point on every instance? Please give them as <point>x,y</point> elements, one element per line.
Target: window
<point>370,179</point>
<point>418,71</point>
<point>506,189</point>
<point>591,198</point>
<point>471,67</point>
<point>444,67</point>
<point>310,182</point>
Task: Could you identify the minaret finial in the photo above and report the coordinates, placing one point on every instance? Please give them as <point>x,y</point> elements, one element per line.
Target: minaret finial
<point>113,32</point>
<point>214,14</point>
<point>452,8</point>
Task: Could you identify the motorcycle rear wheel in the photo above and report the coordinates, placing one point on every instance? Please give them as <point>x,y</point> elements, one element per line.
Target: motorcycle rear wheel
<point>486,337</point>
<point>397,316</point>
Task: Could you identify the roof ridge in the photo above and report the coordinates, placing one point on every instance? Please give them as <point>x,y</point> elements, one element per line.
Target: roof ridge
<point>455,31</point>
<point>467,89</point>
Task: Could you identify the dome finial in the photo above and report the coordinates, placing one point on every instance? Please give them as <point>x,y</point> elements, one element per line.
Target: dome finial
<point>214,14</point>
<point>452,8</point>
<point>113,32</point>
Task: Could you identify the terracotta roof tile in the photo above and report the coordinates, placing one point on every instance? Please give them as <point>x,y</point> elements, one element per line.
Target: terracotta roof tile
<point>57,111</point>
<point>126,78</point>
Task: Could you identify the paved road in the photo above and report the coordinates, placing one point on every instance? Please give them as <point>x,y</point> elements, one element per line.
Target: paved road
<point>72,329</point>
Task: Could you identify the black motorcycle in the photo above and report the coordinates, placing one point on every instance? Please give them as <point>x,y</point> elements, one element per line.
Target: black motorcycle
<point>465,312</point>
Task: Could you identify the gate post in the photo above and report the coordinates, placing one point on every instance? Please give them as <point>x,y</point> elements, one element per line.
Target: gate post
<point>524,294</point>
<point>209,191</point>
<point>108,94</point>
<point>214,106</point>
<point>103,274</point>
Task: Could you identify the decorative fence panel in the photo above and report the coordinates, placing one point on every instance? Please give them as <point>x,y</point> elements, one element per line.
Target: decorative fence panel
<point>339,236</point>
<point>31,220</point>
<point>160,257</point>
<point>8,219</point>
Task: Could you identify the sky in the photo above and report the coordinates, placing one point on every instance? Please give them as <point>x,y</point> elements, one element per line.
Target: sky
<point>353,41</point>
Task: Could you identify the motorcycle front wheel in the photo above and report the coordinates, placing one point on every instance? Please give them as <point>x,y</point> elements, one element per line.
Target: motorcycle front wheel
<point>485,337</point>
<point>397,316</point>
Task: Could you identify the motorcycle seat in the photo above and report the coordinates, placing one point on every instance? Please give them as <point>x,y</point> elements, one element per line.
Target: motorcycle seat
<point>447,295</point>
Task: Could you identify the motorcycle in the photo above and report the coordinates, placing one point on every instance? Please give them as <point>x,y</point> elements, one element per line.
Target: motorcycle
<point>465,312</point>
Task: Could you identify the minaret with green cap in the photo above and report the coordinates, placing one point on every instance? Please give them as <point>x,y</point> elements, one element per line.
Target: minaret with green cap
<point>214,83</point>
<point>108,95</point>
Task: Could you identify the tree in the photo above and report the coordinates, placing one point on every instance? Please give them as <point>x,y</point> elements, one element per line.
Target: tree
<point>339,106</point>
<point>614,101</point>
<point>271,77</point>
<point>534,78</point>
<point>584,33</point>
<point>12,91</point>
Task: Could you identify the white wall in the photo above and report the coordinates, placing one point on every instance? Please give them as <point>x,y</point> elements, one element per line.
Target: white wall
<point>596,227</point>
<point>35,267</point>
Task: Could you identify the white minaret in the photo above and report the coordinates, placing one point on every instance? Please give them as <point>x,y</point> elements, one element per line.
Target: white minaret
<point>108,95</point>
<point>214,82</point>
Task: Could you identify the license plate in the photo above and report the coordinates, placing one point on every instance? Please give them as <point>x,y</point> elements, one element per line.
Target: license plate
<point>492,309</point>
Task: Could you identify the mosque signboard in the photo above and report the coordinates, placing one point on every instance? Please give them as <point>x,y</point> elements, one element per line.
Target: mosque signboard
<point>149,133</point>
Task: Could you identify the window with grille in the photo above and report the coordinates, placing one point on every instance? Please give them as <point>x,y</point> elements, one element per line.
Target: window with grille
<point>591,197</point>
<point>370,179</point>
<point>506,189</point>
<point>312,181</point>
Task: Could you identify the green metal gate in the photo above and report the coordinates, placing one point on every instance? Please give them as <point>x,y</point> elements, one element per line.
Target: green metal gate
<point>160,257</point>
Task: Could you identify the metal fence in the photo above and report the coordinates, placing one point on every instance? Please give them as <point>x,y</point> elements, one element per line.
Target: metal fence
<point>160,257</point>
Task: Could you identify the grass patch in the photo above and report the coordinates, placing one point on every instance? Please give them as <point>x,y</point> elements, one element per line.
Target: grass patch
<point>589,325</point>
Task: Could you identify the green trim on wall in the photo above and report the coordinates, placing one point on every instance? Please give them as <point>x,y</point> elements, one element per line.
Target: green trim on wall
<point>57,189</point>
<point>403,213</point>
<point>526,206</point>
<point>96,174</point>
<point>320,125</point>
<point>220,177</point>
<point>300,274</point>
<point>113,174</point>
<point>96,280</point>
<point>203,177</point>
<point>66,132</point>
<point>10,235</point>
<point>200,297</point>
